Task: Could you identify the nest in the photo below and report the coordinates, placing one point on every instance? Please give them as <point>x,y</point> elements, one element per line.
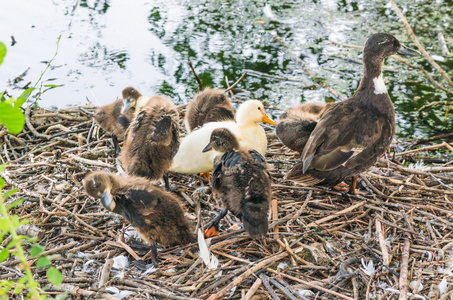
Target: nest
<point>322,243</point>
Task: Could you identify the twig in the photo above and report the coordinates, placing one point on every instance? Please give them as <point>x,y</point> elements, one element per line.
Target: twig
<point>253,289</point>
<point>419,46</point>
<point>333,216</point>
<point>200,84</point>
<point>266,284</point>
<point>236,83</point>
<point>404,267</point>
<point>384,250</point>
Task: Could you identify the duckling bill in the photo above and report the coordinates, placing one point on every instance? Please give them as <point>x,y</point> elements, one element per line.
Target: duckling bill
<point>242,183</point>
<point>351,136</point>
<point>156,214</point>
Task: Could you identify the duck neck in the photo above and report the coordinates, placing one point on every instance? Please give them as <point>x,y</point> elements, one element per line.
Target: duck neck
<point>372,79</point>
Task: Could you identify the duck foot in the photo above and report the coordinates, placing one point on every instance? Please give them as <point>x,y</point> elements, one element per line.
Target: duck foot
<point>127,248</point>
<point>213,227</point>
<point>139,248</point>
<point>141,265</point>
<point>235,227</point>
<point>353,188</point>
<point>206,176</point>
<point>343,187</point>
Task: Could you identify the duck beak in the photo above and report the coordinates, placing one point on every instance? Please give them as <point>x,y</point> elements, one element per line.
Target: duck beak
<point>207,148</point>
<point>127,104</point>
<point>268,120</point>
<point>107,200</point>
<point>408,51</point>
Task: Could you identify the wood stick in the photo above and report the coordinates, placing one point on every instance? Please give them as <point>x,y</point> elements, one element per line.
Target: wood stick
<point>419,46</point>
<point>404,267</point>
<point>200,84</point>
<point>333,216</point>
<point>105,272</point>
<point>236,83</point>
<point>253,289</point>
<point>274,205</point>
<point>266,284</point>
<point>381,237</point>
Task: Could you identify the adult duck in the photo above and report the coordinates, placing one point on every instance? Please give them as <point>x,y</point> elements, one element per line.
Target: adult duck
<point>156,214</point>
<point>190,160</point>
<point>240,179</point>
<point>208,106</point>
<point>353,134</point>
<point>295,125</point>
<point>152,140</point>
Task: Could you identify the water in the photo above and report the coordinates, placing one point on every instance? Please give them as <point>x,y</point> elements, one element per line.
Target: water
<point>108,45</point>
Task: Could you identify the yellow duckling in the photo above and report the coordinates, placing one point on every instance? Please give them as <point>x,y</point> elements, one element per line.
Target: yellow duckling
<point>190,160</point>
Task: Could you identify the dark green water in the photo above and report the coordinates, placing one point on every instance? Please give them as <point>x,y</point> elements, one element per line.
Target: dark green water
<point>108,45</point>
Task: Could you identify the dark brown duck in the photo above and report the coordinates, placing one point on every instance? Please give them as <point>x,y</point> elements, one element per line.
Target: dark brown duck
<point>152,140</point>
<point>353,134</point>
<point>241,181</point>
<point>156,214</point>
<point>208,106</point>
<point>295,125</point>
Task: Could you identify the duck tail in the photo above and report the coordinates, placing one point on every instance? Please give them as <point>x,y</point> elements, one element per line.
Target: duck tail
<point>296,174</point>
<point>254,216</point>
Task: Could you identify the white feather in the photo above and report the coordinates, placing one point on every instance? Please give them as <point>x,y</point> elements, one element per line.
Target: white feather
<point>379,85</point>
<point>209,259</point>
<point>413,285</point>
<point>306,293</point>
<point>120,262</point>
<point>443,285</point>
<point>369,268</point>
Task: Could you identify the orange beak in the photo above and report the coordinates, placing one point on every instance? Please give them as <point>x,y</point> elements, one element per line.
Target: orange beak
<point>268,120</point>
<point>210,232</point>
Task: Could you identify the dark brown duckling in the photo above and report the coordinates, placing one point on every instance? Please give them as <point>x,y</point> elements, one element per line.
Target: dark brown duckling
<point>133,99</point>
<point>152,140</point>
<point>240,179</point>
<point>296,124</point>
<point>351,136</point>
<point>111,119</point>
<point>156,214</point>
<point>208,106</point>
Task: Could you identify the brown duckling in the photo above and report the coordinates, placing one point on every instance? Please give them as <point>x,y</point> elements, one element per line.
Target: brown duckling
<point>133,98</point>
<point>156,214</point>
<point>208,106</point>
<point>111,119</point>
<point>296,124</point>
<point>241,180</point>
<point>351,136</point>
<point>152,140</point>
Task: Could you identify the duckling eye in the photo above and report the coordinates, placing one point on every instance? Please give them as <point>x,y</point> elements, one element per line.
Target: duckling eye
<point>259,108</point>
<point>383,42</point>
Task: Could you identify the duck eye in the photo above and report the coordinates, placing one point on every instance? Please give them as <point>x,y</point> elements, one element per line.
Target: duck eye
<point>383,42</point>
<point>259,108</point>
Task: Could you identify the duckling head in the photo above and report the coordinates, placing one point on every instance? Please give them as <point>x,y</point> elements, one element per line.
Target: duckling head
<point>130,96</point>
<point>99,185</point>
<point>252,112</point>
<point>222,140</point>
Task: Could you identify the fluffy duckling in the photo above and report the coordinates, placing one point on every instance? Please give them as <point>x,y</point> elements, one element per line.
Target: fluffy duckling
<point>111,119</point>
<point>241,181</point>
<point>157,215</point>
<point>133,98</point>
<point>296,124</point>
<point>190,160</point>
<point>152,140</point>
<point>208,106</point>
<point>351,136</point>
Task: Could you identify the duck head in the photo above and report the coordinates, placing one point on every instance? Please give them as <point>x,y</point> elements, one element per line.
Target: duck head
<point>130,96</point>
<point>379,46</point>
<point>222,140</point>
<point>252,111</point>
<point>99,185</point>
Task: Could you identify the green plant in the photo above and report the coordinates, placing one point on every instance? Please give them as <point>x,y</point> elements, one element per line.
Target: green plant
<point>12,117</point>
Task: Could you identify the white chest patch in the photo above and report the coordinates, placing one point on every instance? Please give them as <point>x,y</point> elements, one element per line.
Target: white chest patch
<point>379,85</point>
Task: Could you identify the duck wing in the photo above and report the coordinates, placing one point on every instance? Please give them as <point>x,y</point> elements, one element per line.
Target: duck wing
<point>342,133</point>
<point>229,163</point>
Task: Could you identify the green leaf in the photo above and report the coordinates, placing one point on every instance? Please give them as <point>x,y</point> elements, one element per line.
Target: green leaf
<point>43,262</point>
<point>10,101</point>
<point>53,85</point>
<point>4,255</point>
<point>12,118</point>
<point>9,193</point>
<point>2,52</point>
<point>14,204</point>
<point>23,97</point>
<point>54,276</point>
<point>36,250</point>
<point>2,183</point>
<point>2,167</point>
